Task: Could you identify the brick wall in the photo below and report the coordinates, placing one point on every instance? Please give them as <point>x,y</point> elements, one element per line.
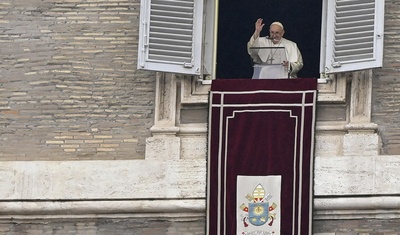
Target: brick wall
<point>69,88</point>
<point>386,85</point>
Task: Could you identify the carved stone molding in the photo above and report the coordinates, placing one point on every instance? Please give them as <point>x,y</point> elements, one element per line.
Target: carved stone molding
<point>333,90</point>
<point>374,207</point>
<point>171,139</point>
<point>194,91</point>
<point>165,104</point>
<point>361,137</point>
<point>105,208</point>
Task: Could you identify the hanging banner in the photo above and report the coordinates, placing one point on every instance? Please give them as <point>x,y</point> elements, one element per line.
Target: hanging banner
<point>260,163</point>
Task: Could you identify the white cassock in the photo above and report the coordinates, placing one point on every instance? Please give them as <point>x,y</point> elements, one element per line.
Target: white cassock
<point>293,54</point>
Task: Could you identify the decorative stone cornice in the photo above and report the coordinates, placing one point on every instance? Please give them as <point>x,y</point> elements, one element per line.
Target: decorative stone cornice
<point>102,208</point>
<point>360,207</point>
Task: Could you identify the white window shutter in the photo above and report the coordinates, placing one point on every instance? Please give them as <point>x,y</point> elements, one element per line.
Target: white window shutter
<point>354,35</point>
<point>170,36</point>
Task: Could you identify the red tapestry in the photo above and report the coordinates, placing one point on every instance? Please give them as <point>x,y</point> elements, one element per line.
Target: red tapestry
<point>260,163</point>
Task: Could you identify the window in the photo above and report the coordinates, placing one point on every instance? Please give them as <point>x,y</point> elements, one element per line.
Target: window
<point>179,36</point>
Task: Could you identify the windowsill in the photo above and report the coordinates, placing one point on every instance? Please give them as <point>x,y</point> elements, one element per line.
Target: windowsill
<point>320,81</point>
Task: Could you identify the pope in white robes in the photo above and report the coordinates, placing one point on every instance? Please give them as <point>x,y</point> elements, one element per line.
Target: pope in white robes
<point>294,61</point>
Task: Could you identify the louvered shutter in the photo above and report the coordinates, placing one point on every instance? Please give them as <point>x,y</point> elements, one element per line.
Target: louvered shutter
<point>354,35</point>
<point>171,36</point>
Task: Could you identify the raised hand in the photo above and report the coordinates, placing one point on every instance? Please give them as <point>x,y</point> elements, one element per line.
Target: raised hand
<point>259,26</point>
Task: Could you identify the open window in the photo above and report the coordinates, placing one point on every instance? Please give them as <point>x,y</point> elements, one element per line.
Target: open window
<point>180,36</point>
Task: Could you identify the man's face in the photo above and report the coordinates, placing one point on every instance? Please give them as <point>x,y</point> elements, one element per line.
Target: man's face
<point>276,33</point>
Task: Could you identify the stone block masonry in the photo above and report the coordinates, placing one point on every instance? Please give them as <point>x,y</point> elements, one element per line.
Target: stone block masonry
<point>69,88</point>
<point>171,226</point>
<point>111,226</point>
<point>358,227</point>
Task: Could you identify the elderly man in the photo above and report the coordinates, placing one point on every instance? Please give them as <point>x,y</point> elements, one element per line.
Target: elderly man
<point>294,59</point>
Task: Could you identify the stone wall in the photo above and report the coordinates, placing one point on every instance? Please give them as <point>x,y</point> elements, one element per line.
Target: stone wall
<point>105,226</point>
<point>173,226</point>
<point>69,88</point>
<point>357,227</point>
<point>70,91</point>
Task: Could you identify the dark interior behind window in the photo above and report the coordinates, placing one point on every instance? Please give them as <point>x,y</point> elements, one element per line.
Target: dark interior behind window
<point>302,22</point>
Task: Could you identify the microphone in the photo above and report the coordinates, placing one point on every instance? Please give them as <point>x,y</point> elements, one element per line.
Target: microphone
<point>272,39</point>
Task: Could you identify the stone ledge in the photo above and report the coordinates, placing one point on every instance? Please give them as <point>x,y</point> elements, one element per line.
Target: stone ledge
<point>368,202</point>
<point>373,207</point>
<point>102,208</point>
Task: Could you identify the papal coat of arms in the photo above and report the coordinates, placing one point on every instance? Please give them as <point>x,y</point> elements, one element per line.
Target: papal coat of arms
<point>258,211</point>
